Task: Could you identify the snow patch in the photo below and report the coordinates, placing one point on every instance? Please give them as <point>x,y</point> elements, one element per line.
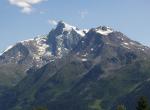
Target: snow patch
<point>105,31</point>
<point>132,43</point>
<point>84,59</point>
<point>92,49</point>
<point>80,32</point>
<point>82,41</point>
<point>125,43</point>
<point>26,40</point>
<point>69,28</point>
<point>125,46</point>
<point>85,30</point>
<point>8,48</point>
<point>41,47</point>
<point>141,49</point>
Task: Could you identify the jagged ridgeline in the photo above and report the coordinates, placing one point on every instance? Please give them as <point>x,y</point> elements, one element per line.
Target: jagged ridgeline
<point>74,69</point>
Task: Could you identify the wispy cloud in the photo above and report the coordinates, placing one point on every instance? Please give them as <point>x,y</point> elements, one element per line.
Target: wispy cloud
<point>52,22</point>
<point>42,12</point>
<point>83,13</point>
<point>25,5</point>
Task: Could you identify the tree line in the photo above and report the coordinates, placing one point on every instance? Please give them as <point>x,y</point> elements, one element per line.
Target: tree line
<point>142,104</point>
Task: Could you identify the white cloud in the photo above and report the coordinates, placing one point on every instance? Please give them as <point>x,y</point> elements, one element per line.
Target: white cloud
<point>25,5</point>
<point>52,22</point>
<point>83,13</point>
<point>26,10</point>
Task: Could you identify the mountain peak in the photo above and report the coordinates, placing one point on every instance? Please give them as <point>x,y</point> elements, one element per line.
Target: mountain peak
<point>104,30</point>
<point>63,26</point>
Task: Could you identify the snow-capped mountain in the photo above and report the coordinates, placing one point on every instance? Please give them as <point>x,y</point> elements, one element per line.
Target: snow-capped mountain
<point>60,41</point>
<point>45,48</point>
<point>75,69</point>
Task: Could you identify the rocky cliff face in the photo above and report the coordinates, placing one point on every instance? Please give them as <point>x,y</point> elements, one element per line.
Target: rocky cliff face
<point>43,49</point>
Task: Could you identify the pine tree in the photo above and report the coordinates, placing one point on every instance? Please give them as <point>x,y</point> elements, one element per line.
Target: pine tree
<point>142,104</point>
<point>121,107</point>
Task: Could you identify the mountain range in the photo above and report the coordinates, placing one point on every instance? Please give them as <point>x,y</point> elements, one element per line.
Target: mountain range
<point>74,69</point>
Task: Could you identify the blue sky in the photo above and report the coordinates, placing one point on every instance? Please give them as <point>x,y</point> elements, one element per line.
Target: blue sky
<point>26,19</point>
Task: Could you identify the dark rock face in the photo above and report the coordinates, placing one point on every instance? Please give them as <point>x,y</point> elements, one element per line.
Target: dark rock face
<point>64,39</point>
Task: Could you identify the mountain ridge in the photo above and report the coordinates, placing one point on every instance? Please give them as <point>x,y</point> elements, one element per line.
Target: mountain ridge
<point>89,72</point>
<point>34,53</point>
